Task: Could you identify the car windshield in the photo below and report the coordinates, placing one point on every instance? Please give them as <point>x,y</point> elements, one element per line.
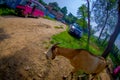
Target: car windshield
<point>76,25</point>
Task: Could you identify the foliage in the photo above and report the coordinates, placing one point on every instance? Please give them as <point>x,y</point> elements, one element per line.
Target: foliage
<point>70,18</point>
<point>83,23</point>
<point>82,15</point>
<point>116,60</point>
<point>55,6</point>
<point>114,35</point>
<point>7,11</point>
<point>64,10</point>
<point>42,2</point>
<point>82,12</point>
<point>105,15</point>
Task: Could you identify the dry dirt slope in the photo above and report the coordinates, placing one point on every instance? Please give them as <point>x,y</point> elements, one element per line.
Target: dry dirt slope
<point>23,42</point>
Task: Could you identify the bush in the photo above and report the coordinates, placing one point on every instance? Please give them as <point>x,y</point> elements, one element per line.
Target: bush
<point>6,11</point>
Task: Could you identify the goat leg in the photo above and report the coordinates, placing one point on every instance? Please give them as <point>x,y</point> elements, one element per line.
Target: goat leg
<point>69,77</point>
<point>71,74</point>
<point>93,76</point>
<point>64,78</point>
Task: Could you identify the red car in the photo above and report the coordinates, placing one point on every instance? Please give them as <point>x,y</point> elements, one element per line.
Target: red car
<point>33,9</point>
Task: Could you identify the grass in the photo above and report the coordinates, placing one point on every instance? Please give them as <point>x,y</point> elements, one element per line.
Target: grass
<point>58,27</point>
<point>6,11</point>
<point>69,42</point>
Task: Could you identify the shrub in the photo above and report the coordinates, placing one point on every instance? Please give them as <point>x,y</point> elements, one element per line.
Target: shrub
<point>6,11</point>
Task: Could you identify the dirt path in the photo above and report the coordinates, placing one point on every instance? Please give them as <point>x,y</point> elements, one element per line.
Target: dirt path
<point>23,42</point>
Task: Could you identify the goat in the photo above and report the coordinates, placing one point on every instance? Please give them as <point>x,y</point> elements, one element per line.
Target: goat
<point>80,59</point>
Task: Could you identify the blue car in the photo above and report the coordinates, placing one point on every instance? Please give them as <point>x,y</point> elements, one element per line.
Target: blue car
<point>75,31</point>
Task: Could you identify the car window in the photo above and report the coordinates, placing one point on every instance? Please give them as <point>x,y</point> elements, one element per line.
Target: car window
<point>23,2</point>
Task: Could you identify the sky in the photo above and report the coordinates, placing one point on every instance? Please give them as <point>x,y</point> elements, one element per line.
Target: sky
<point>72,5</point>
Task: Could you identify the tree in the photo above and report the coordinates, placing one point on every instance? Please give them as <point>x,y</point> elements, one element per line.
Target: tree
<point>105,39</point>
<point>42,2</point>
<point>103,25</point>
<point>55,6</point>
<point>82,15</point>
<point>70,18</point>
<point>64,10</point>
<point>108,9</point>
<point>113,36</point>
<point>89,28</point>
<point>105,15</point>
<point>83,23</point>
<point>82,12</point>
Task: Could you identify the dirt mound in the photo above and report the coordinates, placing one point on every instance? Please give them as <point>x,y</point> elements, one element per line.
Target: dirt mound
<point>23,42</point>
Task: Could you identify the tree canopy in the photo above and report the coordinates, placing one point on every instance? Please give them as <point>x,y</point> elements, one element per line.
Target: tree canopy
<point>64,10</point>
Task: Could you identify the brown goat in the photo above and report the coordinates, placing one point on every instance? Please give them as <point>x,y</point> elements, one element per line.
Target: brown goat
<point>80,59</point>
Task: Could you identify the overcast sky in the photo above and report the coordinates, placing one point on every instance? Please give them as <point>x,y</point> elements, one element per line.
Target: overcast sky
<point>72,5</point>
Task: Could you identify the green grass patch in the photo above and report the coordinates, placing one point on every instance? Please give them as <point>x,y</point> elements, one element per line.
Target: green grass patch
<point>58,27</point>
<point>69,42</point>
<point>6,11</point>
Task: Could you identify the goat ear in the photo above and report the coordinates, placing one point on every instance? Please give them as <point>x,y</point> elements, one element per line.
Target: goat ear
<point>54,46</point>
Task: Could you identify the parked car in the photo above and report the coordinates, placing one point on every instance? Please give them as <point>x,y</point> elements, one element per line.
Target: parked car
<point>30,8</point>
<point>75,31</point>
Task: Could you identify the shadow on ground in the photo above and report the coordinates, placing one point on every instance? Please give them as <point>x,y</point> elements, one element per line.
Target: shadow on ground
<point>3,35</point>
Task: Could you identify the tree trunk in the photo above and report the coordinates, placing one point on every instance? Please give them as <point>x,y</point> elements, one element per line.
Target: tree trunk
<point>89,29</point>
<point>83,13</point>
<point>103,27</point>
<point>106,38</point>
<point>113,36</point>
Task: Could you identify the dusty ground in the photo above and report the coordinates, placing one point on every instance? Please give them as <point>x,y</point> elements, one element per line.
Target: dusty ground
<point>23,42</point>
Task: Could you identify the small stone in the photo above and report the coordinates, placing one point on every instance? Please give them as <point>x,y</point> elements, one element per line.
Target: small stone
<point>27,68</point>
